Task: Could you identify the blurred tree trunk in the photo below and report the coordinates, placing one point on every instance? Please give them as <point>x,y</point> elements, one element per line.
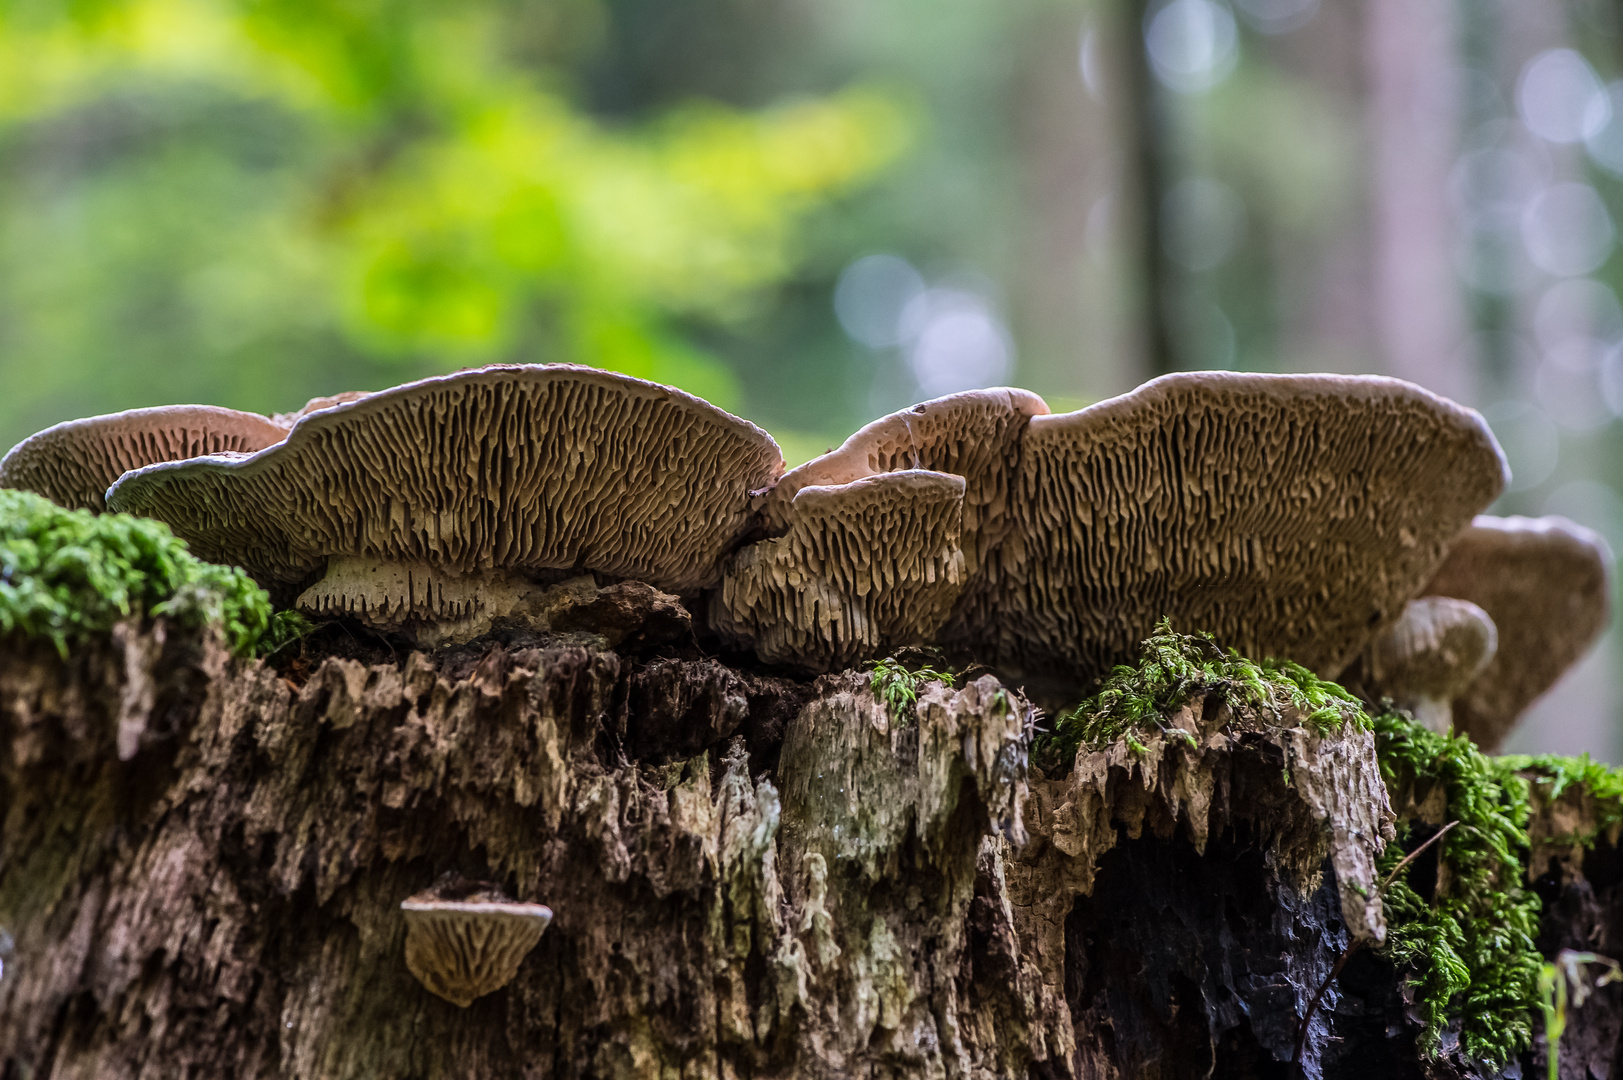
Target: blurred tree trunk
<point>1414,123</point>
<point>1148,148</point>
<point>752,876</point>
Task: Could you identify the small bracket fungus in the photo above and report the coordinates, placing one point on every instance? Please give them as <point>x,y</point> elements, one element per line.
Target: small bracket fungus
<point>974,435</point>
<point>74,463</point>
<point>1290,515</point>
<point>439,499</point>
<point>1546,583</point>
<point>1429,656</point>
<point>465,939</point>
<point>865,567</point>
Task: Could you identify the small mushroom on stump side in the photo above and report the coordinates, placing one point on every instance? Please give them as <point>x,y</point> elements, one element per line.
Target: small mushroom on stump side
<point>865,567</point>
<point>1546,583</point>
<point>464,939</point>
<point>75,462</point>
<point>1429,656</point>
<point>452,498</point>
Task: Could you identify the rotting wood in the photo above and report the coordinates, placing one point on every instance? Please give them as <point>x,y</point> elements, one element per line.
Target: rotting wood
<point>751,875</point>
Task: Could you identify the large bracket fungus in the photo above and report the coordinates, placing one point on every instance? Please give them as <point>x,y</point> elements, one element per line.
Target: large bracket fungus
<point>73,463</point>
<point>1546,583</point>
<point>451,492</point>
<point>1290,515</point>
<point>865,567</point>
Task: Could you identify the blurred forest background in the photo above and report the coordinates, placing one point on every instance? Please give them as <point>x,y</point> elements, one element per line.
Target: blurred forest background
<point>815,211</point>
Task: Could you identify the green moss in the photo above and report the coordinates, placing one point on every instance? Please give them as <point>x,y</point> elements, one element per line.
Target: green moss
<point>1471,947</point>
<point>68,574</point>
<point>1555,774</point>
<point>898,686</point>
<point>1174,668</point>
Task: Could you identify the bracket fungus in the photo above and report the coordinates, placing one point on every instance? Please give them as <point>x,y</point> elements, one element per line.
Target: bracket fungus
<point>464,939</point>
<point>1290,515</point>
<point>1429,656</point>
<point>1546,583</point>
<point>73,463</point>
<point>864,568</point>
<point>975,435</point>
<point>445,498</point>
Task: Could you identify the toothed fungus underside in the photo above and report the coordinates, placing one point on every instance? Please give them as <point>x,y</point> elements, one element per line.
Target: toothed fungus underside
<point>470,479</point>
<point>864,568</point>
<point>1429,656</point>
<point>465,949</point>
<point>1546,583</point>
<point>1290,515</point>
<point>74,463</point>
<point>975,435</point>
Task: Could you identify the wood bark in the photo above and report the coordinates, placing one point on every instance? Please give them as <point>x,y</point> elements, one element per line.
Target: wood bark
<point>202,861</point>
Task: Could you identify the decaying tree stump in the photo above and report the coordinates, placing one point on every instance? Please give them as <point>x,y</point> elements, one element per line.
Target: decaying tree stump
<point>202,861</point>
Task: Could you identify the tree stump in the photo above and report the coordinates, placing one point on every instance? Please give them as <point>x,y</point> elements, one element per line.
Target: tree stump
<point>202,861</point>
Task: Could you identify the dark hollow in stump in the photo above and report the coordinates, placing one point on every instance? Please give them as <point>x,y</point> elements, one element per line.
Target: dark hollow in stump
<point>750,876</point>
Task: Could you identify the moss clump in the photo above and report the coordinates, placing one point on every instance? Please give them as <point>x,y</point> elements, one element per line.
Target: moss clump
<point>68,574</point>
<point>1554,775</point>
<point>1173,668</point>
<point>1471,948</point>
<point>898,686</point>
<point>1472,945</point>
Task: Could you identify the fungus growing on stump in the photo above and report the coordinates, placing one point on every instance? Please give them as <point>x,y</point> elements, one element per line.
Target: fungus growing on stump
<point>343,397</point>
<point>1429,656</point>
<point>464,939</point>
<point>443,499</point>
<point>974,435</point>
<point>1546,583</point>
<point>865,567</point>
<point>73,463</point>
<point>1290,515</point>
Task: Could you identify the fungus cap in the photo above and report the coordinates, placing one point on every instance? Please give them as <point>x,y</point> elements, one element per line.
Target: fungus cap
<point>864,568</point>
<point>1290,515</point>
<point>1430,655</point>
<point>343,397</point>
<point>1546,583</point>
<point>73,463</point>
<point>974,435</point>
<point>504,468</point>
<point>465,949</point>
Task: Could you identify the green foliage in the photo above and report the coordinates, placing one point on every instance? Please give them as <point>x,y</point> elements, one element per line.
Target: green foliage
<point>1472,945</point>
<point>1175,667</point>
<point>898,686</point>
<point>66,574</point>
<point>253,203</point>
<point>1563,978</point>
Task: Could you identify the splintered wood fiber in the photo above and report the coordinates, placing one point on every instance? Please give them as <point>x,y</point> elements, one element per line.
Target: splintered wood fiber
<point>1290,517</point>
<point>974,435</point>
<point>74,464</point>
<point>865,567</point>
<point>539,468</point>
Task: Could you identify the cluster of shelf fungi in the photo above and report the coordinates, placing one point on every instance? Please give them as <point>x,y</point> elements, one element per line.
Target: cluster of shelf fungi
<point>1330,520</point>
